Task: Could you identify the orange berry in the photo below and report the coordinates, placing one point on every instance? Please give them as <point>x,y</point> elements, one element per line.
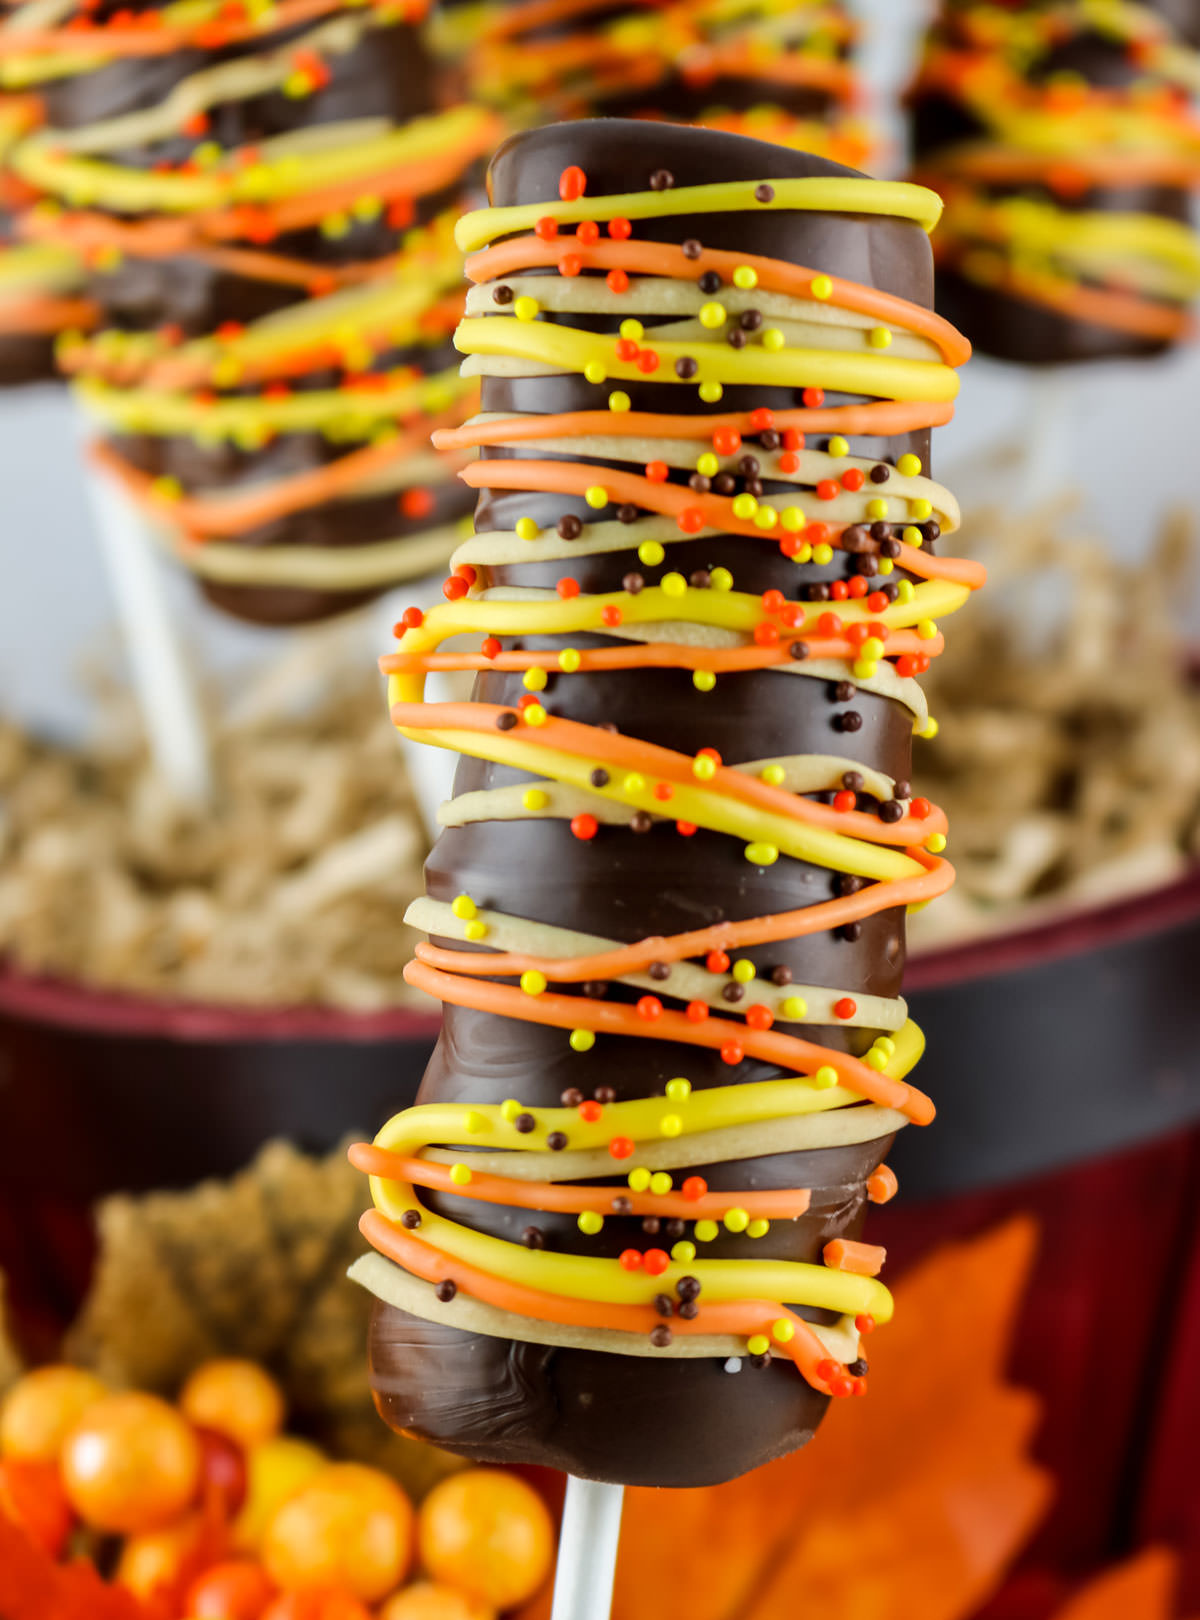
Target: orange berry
<point>42,1408</point>
<point>236,1398</point>
<point>236,1590</point>
<point>275,1472</point>
<point>489,1533</point>
<point>349,1528</point>
<point>131,1464</point>
<point>425,1601</point>
<point>316,1605</point>
<point>32,1496</point>
<point>160,1563</point>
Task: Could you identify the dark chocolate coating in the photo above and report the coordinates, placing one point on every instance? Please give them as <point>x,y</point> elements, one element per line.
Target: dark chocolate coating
<point>1018,329</point>
<point>387,75</point>
<point>632,1419</point>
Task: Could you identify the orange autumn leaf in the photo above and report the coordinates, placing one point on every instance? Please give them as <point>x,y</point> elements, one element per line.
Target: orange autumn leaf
<point>908,1506</point>
<point>34,1587</point>
<point>1143,1589</point>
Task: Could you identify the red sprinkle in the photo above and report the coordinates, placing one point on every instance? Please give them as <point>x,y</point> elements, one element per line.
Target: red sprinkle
<point>865,1324</point>
<point>858,586</point>
<point>839,590</point>
<point>648,1007</point>
<point>657,471</point>
<point>857,634</point>
<point>412,618</point>
<point>766,635</point>
<point>620,229</point>
<point>793,439</point>
<point>491,648</point>
<point>789,462</point>
<point>630,1260</point>
<point>717,961</point>
<point>829,624</point>
<point>591,1113</point>
<point>877,602</point>
<point>618,281</point>
<point>686,829</point>
<point>567,588</point>
<point>845,801</point>
<point>584,826</point>
<point>920,808</point>
<point>694,1189</point>
<point>726,441</point>
<point>455,588</point>
<point>906,665</point>
<point>732,1052</point>
<point>621,1147</point>
<point>416,503</point>
<point>845,1008</point>
<point>587,232</point>
<point>570,264</point>
<point>691,520</point>
<point>853,479</point>
<point>656,1261</point>
<point>790,544</point>
<point>627,349</point>
<point>773,601</point>
<point>546,228</point>
<point>827,490</point>
<point>663,790</point>
<point>759,1017</point>
<point>696,1012</point>
<point>647,361</point>
<point>709,753</point>
<point>817,533</point>
<point>610,615</point>
<point>814,398</point>
<point>572,183</point>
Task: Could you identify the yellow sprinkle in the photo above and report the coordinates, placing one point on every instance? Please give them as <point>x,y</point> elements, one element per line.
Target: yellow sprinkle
<point>633,329</point>
<point>909,466</point>
<point>865,669</point>
<point>804,554</point>
<point>704,768</point>
<point>475,929</point>
<point>526,308</point>
<point>532,982</point>
<point>707,465</point>
<point>720,579</point>
<point>744,506</point>
<point>474,1122</point>
<point>823,553</point>
<point>886,565</point>
<point>634,783</point>
<point>936,844</point>
<point>590,1222</point>
<point>821,287</point>
<point>921,510</point>
<point>673,585</point>
<point>534,680</point>
<point>703,680</point>
<point>510,1108</point>
<point>876,1060</point>
<point>367,208</point>
<point>651,553</point>
<point>712,315</point>
<point>825,1077</point>
<point>639,1180</point>
<point>684,1252</point>
<point>758,1345</point>
<point>594,372</point>
<point>569,660</point>
<point>710,392</point>
<point>773,339</point>
<point>766,517</point>
<point>535,715</point>
<point>926,629</point>
<point>931,730</point>
<point>660,1183</point>
<point>167,489</point>
<point>745,277</point>
<point>535,799</point>
<point>678,1090</point>
<point>783,1330</point>
<point>886,1045</point>
<point>619,400</point>
<point>460,1175</point>
<point>670,1125</point>
<point>912,536</point>
<point>773,775</point>
<point>762,854</point>
<point>743,970</point>
<point>877,508</point>
<point>706,1231</point>
<point>582,1040</point>
<point>296,86</point>
<point>758,1228</point>
<point>905,591</point>
<point>839,446</point>
<point>792,518</point>
<point>463,906</point>
<point>794,1009</point>
<point>736,1220</point>
<point>872,647</point>
<point>596,496</point>
<point>879,337</point>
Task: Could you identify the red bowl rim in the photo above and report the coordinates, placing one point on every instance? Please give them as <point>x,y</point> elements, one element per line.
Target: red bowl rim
<point>93,1010</point>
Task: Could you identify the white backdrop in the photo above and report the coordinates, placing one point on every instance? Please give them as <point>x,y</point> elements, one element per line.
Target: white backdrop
<point>1134,439</point>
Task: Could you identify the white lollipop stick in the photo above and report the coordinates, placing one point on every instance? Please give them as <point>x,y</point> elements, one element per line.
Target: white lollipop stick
<point>1046,465</point>
<point>166,692</point>
<point>587,1551</point>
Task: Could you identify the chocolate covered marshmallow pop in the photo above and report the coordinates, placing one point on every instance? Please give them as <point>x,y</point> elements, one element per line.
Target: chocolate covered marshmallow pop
<point>620,1233</point>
